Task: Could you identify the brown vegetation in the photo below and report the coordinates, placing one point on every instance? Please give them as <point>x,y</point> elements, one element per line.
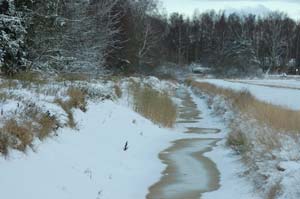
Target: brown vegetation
<point>47,124</point>
<point>118,91</point>
<point>72,77</point>
<point>154,105</point>
<point>77,99</point>
<point>32,122</point>
<point>29,77</point>
<point>257,131</point>
<point>20,134</point>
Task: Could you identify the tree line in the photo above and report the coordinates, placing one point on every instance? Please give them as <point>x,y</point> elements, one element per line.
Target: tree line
<point>236,44</point>
<point>133,35</point>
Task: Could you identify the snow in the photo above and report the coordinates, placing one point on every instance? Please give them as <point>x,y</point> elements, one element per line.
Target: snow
<point>279,96</point>
<point>272,169</point>
<point>232,185</point>
<point>288,83</point>
<point>90,163</point>
<point>228,163</point>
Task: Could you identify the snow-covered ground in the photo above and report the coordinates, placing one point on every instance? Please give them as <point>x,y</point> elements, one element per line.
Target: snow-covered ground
<point>90,162</point>
<point>229,164</point>
<point>279,96</point>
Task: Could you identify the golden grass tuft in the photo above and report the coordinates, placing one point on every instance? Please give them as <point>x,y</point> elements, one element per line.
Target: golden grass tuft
<point>77,99</point>
<point>47,124</point>
<point>22,133</point>
<point>68,110</point>
<point>154,105</point>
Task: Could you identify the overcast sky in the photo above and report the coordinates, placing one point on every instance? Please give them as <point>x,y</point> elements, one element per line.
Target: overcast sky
<point>291,7</point>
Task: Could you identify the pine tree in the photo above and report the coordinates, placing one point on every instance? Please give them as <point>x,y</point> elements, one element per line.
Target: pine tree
<point>12,37</point>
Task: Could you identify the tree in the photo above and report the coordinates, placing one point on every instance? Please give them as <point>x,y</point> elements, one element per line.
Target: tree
<point>297,46</point>
<point>276,42</point>
<point>179,37</point>
<point>239,59</point>
<point>12,35</point>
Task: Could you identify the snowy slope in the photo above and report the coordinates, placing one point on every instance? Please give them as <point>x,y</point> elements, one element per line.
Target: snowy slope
<point>90,163</point>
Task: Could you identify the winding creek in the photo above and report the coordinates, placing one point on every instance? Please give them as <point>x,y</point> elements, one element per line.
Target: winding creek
<point>189,173</point>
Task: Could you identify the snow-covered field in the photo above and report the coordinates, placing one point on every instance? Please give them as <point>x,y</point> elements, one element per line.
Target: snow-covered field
<point>286,97</point>
<point>281,83</point>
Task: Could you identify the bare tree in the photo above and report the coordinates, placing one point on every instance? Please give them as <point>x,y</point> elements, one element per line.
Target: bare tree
<point>275,39</point>
<point>145,34</point>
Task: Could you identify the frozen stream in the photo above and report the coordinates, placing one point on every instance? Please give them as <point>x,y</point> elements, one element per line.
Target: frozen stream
<point>189,173</point>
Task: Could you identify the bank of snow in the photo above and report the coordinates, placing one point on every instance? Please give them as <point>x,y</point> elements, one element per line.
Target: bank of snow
<point>91,162</point>
<point>232,183</point>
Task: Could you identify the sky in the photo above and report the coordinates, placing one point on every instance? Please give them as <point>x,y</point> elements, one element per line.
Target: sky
<point>261,7</point>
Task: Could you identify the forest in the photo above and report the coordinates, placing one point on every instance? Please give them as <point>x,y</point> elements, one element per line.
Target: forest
<point>137,36</point>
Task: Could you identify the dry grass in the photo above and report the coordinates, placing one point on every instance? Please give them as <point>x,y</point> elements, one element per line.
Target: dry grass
<point>21,133</point>
<point>3,96</point>
<point>47,124</point>
<point>4,143</point>
<point>277,117</point>
<point>154,105</point>
<point>30,77</point>
<point>8,84</point>
<point>31,123</point>
<point>270,123</point>
<point>118,91</point>
<point>238,141</point>
<point>77,99</point>
<point>72,77</point>
<point>274,191</point>
<point>68,110</point>
<point>28,120</point>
